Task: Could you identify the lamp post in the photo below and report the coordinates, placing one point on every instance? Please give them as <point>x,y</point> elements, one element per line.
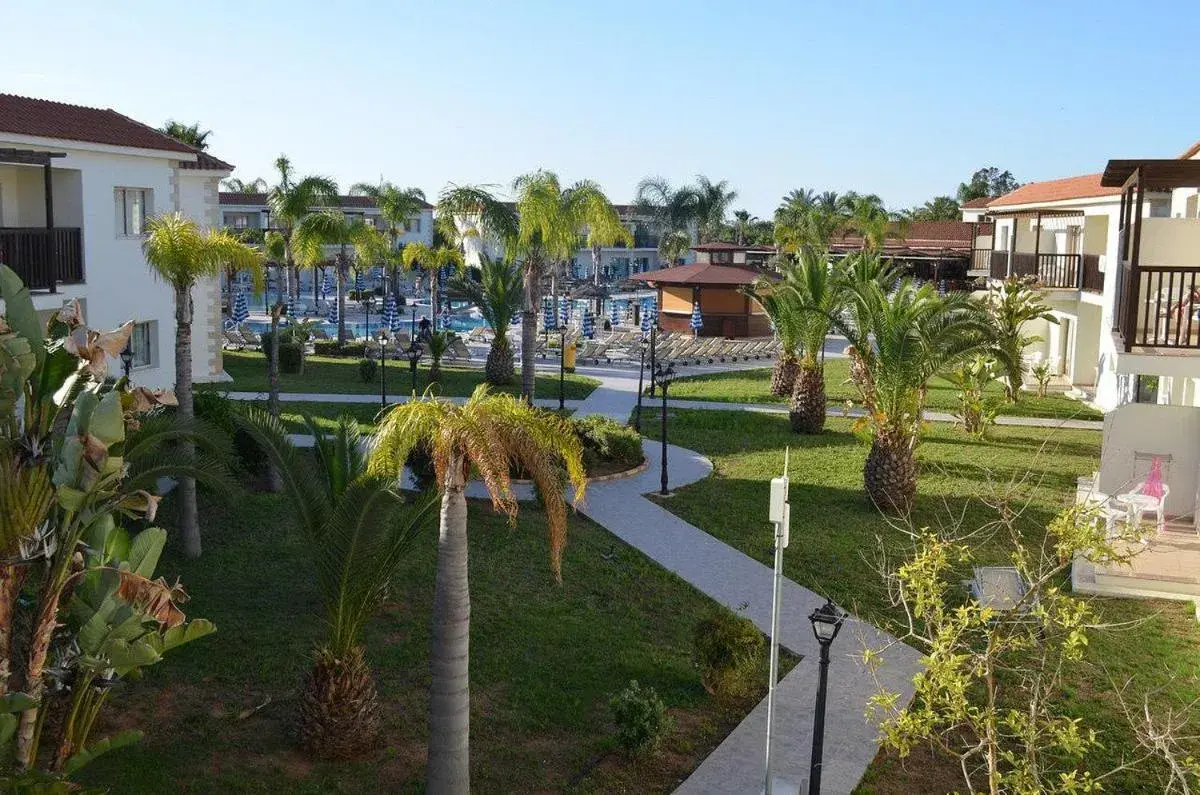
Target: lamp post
<point>383,338</point>
<point>637,417</point>
<point>127,358</point>
<point>663,377</point>
<point>826,623</point>
<point>562,366</point>
<point>368,304</point>
<point>412,327</point>
<point>653,347</point>
<point>414,357</point>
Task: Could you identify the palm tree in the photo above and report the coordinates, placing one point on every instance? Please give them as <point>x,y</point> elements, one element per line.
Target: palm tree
<point>357,528</point>
<point>331,228</point>
<point>673,209</point>
<point>432,259</point>
<point>898,342</point>
<point>498,294</point>
<point>190,134</point>
<point>820,294</point>
<point>492,434</point>
<point>397,206</point>
<point>235,185</point>
<point>743,222</point>
<point>713,200</point>
<point>786,318</point>
<point>181,255</point>
<point>604,228</point>
<point>289,202</point>
<point>807,221</point>
<point>1012,304</point>
<point>673,246</point>
<point>872,221</point>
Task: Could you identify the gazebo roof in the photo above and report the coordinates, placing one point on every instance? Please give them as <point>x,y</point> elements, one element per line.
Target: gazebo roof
<point>700,274</point>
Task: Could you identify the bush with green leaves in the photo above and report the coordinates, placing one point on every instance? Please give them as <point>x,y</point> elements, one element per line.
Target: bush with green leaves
<point>606,441</point>
<point>331,348</point>
<point>729,650</point>
<point>1041,376</point>
<point>217,409</point>
<point>367,370</point>
<point>977,409</point>
<point>640,716</point>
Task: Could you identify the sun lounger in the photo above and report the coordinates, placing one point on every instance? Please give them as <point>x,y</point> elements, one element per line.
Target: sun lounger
<point>233,340</point>
<point>249,336</point>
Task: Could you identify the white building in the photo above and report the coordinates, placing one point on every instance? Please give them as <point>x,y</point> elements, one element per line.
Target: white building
<point>77,185</point>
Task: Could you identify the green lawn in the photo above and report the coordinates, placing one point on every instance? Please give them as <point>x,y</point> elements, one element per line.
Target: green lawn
<point>544,661</point>
<point>340,376</point>
<point>754,386</point>
<point>837,537</point>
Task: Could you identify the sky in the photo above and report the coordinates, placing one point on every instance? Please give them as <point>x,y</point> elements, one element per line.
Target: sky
<point>902,99</point>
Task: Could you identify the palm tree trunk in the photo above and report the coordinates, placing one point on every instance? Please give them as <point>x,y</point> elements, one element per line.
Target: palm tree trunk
<point>274,479</point>
<point>433,296</point>
<point>342,275</point>
<point>596,277</point>
<point>316,271</point>
<point>449,770</point>
<point>529,334</point>
<point>189,527</point>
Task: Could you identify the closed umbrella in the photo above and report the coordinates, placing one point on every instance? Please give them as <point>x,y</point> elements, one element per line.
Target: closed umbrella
<point>646,324</point>
<point>397,323</point>
<point>548,313</point>
<point>564,307</point>
<point>697,321</point>
<point>358,284</point>
<point>327,288</point>
<point>241,312</point>
<point>589,325</point>
<point>332,316</point>
<point>390,316</point>
<point>614,313</point>
<point>291,308</point>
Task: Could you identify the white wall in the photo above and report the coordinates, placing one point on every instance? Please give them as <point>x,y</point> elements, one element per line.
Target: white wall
<point>1137,431</point>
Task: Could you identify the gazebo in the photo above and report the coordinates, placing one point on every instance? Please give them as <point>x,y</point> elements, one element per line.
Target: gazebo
<point>725,310</point>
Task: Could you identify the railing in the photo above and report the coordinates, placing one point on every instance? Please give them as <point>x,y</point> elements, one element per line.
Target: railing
<point>1159,308</point>
<point>1058,270</point>
<point>981,259</point>
<point>1093,278</point>
<point>999,265</point>
<point>43,258</point>
<point>1070,271</point>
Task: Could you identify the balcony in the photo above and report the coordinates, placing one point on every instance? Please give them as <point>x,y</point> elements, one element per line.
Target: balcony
<point>1055,271</point>
<point>43,258</point>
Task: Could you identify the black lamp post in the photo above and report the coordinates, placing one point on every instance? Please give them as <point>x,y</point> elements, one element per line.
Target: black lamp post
<point>826,623</point>
<point>412,328</point>
<point>637,417</point>
<point>562,366</point>
<point>383,338</point>
<point>653,347</point>
<point>368,304</point>
<point>663,377</point>
<point>414,357</point>
<point>127,358</point>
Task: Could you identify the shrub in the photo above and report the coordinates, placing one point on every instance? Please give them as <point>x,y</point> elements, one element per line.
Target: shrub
<point>291,358</point>
<point>367,369</point>
<point>331,348</point>
<point>728,651</point>
<point>218,409</point>
<point>608,441</point>
<point>1042,375</point>
<point>420,463</point>
<point>976,409</point>
<point>641,717</point>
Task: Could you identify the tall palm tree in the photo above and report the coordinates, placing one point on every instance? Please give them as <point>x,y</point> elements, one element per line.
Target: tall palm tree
<point>357,527</point>
<point>805,220</point>
<point>872,221</point>
<point>235,185</point>
<point>1012,304</point>
<point>398,207</point>
<point>498,294</point>
<point>673,209</point>
<point>820,293</point>
<point>898,342</point>
<point>432,260</point>
<point>190,134</point>
<point>179,253</point>
<point>743,222</point>
<point>782,308</point>
<point>493,435</point>
<point>604,228</point>
<point>673,246</point>
<point>713,200</point>
<point>331,228</point>
<point>289,201</point>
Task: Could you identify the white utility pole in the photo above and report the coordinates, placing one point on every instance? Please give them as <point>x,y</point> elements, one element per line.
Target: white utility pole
<point>779,513</point>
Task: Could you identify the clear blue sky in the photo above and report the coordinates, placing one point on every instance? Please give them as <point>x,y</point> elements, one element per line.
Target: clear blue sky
<point>903,99</point>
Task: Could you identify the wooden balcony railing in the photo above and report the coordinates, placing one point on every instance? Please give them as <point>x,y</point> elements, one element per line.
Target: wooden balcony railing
<point>1070,271</point>
<point>999,265</point>
<point>1093,278</point>
<point>43,258</point>
<point>1158,308</point>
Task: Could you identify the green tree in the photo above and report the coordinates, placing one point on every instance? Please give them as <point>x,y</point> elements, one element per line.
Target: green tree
<point>820,294</point>
<point>743,224</point>
<point>786,318</point>
<point>498,294</point>
<point>190,134</point>
<point>987,182</point>
<point>672,208</point>
<point>805,220</point>
<point>235,185</point>
<point>898,342</point>
<point>939,208</point>
<point>179,253</point>
<point>604,228</point>
<point>398,207</point>
<point>1012,304</point>
<point>357,528</point>
<point>673,246</point>
<point>433,260</point>
<point>492,435</point>
<point>713,200</point>
<point>332,228</point>
<point>289,201</point>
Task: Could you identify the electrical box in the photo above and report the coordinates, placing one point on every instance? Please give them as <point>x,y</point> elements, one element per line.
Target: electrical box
<point>779,497</point>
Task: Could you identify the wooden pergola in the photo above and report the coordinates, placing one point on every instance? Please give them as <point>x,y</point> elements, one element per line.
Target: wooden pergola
<point>719,290</point>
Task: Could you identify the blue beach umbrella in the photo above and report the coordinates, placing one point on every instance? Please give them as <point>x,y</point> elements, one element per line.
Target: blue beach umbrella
<point>548,313</point>
<point>389,317</point>
<point>646,323</point>
<point>332,315</point>
<point>614,313</point>
<point>397,323</point>
<point>241,312</point>
<point>358,284</point>
<point>291,308</point>
<point>697,321</point>
<point>564,312</point>
<point>327,288</point>
<point>589,325</point>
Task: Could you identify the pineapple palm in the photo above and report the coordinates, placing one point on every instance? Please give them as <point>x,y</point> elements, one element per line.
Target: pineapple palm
<point>494,434</point>
<point>432,260</point>
<point>332,228</point>
<point>786,319</point>
<point>436,346</point>
<point>498,296</point>
<point>899,342</point>
<point>358,528</point>
<point>181,255</point>
<point>819,293</point>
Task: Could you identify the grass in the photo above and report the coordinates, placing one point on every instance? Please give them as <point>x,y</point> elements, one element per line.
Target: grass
<point>545,660</point>
<point>837,538</point>
<point>336,375</point>
<point>754,386</point>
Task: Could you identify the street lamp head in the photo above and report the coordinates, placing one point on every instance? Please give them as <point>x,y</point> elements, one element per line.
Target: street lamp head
<point>827,622</point>
<point>414,353</point>
<point>645,343</point>
<point>664,374</point>
<point>127,358</point>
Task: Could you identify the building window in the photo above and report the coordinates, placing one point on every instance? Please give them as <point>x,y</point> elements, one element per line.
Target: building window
<point>1147,389</point>
<point>413,225</point>
<point>144,344</point>
<point>133,207</point>
<point>724,257</point>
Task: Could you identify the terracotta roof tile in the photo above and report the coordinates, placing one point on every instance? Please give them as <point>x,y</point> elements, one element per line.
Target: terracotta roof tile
<point>699,274</point>
<point>1054,190</point>
<point>206,162</point>
<point>46,119</point>
<point>1191,152</point>
<point>976,204</point>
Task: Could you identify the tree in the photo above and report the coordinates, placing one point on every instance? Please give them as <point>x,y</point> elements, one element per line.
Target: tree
<point>992,686</point>
<point>783,309</point>
<point>1012,304</point>
<point>493,435</point>
<point>806,220</point>
<point>190,134</point>
<point>939,208</point>
<point>289,201</point>
<point>743,223</point>
<point>235,185</point>
<point>498,294</point>
<point>819,292</point>
<point>432,259</point>
<point>673,246</point>
<point>871,220</point>
<point>898,342</point>
<point>181,255</point>
<point>398,207</point>
<point>988,182</point>
<point>332,228</point>
<point>357,528</point>
<point>713,200</point>
<point>604,228</point>
<point>673,209</point>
